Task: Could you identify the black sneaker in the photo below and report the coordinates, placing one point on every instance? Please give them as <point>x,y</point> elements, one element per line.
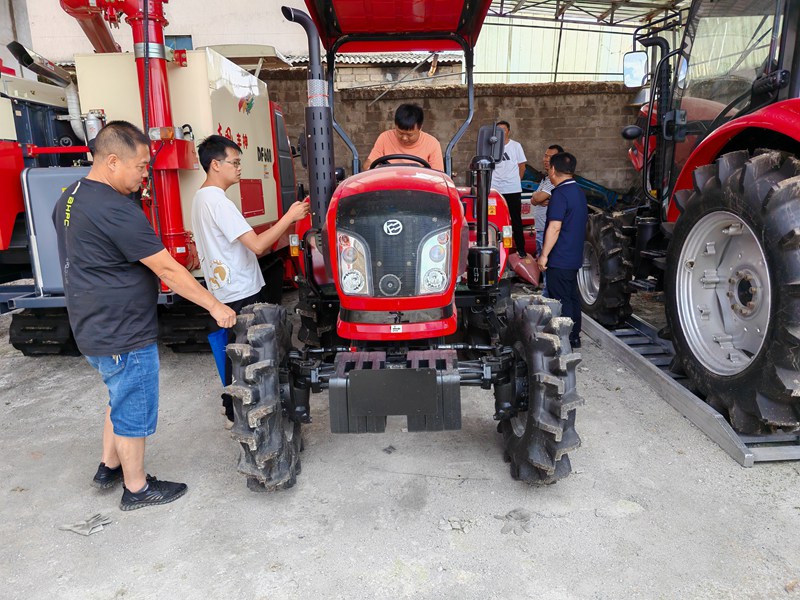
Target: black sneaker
<point>576,343</point>
<point>156,492</point>
<point>106,478</point>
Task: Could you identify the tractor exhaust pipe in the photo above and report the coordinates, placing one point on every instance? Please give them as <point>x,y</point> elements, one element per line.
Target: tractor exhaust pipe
<point>319,123</point>
<point>483,260</point>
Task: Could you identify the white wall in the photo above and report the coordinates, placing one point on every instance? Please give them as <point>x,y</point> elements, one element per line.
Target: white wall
<point>57,36</point>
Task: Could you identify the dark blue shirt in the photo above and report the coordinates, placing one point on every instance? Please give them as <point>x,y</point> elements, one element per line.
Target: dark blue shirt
<point>568,205</point>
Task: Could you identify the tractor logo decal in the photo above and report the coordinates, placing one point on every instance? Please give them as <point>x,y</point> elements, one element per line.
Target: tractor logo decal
<point>392,227</point>
<point>246,103</point>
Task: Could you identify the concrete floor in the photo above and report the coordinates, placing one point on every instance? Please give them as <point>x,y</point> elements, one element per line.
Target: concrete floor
<point>652,510</point>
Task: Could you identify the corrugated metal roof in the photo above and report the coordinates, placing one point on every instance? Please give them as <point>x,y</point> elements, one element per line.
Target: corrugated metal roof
<point>619,13</point>
<point>375,58</point>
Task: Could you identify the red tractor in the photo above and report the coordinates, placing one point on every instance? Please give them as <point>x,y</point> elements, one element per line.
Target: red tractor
<point>404,295</point>
<point>719,229</point>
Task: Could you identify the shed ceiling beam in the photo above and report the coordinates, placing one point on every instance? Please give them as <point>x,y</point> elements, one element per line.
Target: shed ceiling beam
<point>563,8</point>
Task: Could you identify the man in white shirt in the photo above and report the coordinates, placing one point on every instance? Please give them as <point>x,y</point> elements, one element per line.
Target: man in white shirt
<point>227,245</point>
<point>541,197</point>
<point>507,178</point>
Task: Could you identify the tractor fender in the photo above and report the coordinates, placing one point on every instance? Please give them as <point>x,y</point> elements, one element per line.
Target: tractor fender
<point>783,117</point>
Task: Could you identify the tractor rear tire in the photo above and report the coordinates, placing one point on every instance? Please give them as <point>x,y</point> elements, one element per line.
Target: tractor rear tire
<point>270,441</point>
<point>541,431</point>
<point>733,289</point>
<point>604,278</point>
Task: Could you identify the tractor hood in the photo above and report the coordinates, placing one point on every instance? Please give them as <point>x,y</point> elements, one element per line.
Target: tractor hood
<point>397,25</point>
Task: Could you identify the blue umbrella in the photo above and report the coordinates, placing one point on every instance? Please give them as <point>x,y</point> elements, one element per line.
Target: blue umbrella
<point>218,340</point>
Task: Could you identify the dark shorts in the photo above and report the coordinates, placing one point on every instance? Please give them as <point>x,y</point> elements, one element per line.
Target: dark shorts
<point>132,382</point>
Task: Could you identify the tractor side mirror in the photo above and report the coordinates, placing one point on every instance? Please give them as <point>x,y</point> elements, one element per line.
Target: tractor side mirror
<point>491,141</point>
<point>632,132</point>
<point>301,146</point>
<point>634,69</point>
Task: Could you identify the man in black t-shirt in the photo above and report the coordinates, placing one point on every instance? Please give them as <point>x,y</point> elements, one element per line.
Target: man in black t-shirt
<point>565,232</point>
<point>111,260</point>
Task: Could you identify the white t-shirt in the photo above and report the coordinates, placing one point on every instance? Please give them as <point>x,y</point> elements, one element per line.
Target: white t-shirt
<point>539,211</point>
<point>505,178</point>
<point>230,268</point>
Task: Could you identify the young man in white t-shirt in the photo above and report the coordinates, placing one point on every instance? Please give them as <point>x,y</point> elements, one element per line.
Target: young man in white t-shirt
<point>507,179</point>
<point>227,245</point>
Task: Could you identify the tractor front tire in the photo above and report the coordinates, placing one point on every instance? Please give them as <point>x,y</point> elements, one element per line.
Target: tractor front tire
<point>541,430</point>
<point>270,440</point>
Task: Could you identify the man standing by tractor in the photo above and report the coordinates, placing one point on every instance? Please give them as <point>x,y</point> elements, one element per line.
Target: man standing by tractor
<point>541,197</point>
<point>407,137</point>
<point>507,179</point>
<point>110,258</point>
<point>562,251</point>
<point>227,245</point>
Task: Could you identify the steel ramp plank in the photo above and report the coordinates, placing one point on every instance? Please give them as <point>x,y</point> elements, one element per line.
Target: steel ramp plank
<point>651,350</point>
<point>709,421</point>
<point>775,453</point>
<point>660,361</point>
<point>646,359</point>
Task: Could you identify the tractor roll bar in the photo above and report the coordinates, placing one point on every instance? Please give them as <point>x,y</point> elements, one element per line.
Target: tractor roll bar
<point>468,59</point>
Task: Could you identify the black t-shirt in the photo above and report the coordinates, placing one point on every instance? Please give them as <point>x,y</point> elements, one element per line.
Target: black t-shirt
<point>568,205</point>
<point>111,296</point>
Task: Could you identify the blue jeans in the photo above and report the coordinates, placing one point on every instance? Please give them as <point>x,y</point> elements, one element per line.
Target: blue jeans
<point>132,382</point>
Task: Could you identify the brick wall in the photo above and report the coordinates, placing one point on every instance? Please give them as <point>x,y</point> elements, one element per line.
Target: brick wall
<point>584,117</point>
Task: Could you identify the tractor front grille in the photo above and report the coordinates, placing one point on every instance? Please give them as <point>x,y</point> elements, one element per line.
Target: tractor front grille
<point>374,216</point>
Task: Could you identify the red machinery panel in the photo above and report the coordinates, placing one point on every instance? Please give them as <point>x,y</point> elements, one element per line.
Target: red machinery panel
<point>252,197</point>
<point>11,165</point>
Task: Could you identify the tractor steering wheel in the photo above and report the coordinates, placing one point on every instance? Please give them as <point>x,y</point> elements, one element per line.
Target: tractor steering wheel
<point>384,160</point>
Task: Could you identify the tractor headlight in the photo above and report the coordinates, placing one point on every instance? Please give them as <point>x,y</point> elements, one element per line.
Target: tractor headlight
<point>434,262</point>
<point>354,273</point>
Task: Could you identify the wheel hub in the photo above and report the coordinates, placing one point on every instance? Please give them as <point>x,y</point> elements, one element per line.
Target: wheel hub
<point>589,275</point>
<point>723,293</point>
<point>745,292</point>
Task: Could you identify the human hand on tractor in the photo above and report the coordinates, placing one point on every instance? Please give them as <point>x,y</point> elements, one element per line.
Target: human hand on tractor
<point>297,211</point>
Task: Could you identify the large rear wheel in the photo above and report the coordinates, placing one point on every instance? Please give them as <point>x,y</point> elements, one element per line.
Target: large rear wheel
<point>733,289</point>
<point>541,430</point>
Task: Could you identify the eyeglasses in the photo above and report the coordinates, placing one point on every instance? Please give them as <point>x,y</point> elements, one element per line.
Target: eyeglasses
<point>236,163</point>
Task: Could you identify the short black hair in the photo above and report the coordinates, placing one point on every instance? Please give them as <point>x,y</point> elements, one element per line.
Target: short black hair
<point>564,163</point>
<point>504,123</point>
<point>120,138</point>
<point>213,148</point>
<point>408,116</point>
<point>555,147</point>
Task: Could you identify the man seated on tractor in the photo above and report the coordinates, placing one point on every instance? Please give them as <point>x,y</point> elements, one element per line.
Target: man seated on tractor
<point>407,137</point>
